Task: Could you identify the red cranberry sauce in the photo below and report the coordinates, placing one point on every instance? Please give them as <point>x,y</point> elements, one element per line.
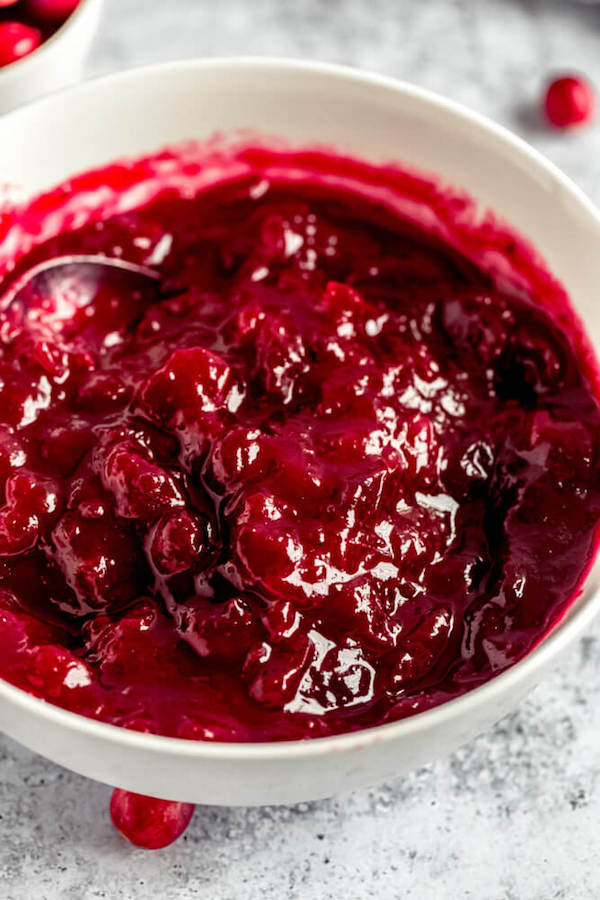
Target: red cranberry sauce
<point>569,101</point>
<point>336,474</point>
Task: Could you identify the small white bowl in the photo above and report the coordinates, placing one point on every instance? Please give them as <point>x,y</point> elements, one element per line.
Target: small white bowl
<point>57,63</point>
<point>376,118</point>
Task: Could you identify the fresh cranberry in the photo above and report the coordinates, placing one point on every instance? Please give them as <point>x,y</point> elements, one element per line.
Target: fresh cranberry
<point>148,822</point>
<point>569,101</point>
<point>17,40</point>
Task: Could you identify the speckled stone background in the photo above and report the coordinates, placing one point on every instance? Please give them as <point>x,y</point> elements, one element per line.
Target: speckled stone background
<point>516,814</point>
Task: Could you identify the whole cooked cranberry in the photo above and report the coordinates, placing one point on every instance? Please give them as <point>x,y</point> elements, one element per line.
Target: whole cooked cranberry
<point>17,40</point>
<point>569,101</point>
<point>349,391</point>
<point>360,609</point>
<point>51,10</point>
<point>193,381</point>
<point>268,550</point>
<point>299,478</point>
<point>99,560</point>
<point>142,490</point>
<point>242,455</point>
<point>31,503</point>
<point>178,541</point>
<point>148,822</point>
<point>342,301</point>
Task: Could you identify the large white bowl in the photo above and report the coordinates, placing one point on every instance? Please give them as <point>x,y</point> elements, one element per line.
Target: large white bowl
<point>57,63</point>
<point>377,118</point>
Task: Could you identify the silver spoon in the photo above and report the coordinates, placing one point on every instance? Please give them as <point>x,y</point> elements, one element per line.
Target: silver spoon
<point>59,287</point>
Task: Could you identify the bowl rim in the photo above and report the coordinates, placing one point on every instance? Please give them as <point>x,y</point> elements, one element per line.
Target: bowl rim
<point>16,68</point>
<point>563,632</point>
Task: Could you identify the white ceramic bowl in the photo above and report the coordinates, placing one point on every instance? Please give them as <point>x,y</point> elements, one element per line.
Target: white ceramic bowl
<point>373,117</point>
<point>56,64</point>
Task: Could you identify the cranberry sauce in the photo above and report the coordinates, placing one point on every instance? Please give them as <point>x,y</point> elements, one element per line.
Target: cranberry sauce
<point>336,473</point>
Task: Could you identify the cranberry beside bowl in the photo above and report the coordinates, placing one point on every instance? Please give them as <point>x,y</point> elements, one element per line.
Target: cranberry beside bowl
<point>43,45</point>
<point>272,695</point>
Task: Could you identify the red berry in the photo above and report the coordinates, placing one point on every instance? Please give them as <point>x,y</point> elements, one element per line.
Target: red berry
<point>16,41</point>
<point>148,822</point>
<point>274,672</point>
<point>100,561</point>
<point>5,3</point>
<point>51,10</point>
<point>569,101</point>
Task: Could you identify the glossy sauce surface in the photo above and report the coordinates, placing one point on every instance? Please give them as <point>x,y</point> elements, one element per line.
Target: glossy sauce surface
<point>336,472</point>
